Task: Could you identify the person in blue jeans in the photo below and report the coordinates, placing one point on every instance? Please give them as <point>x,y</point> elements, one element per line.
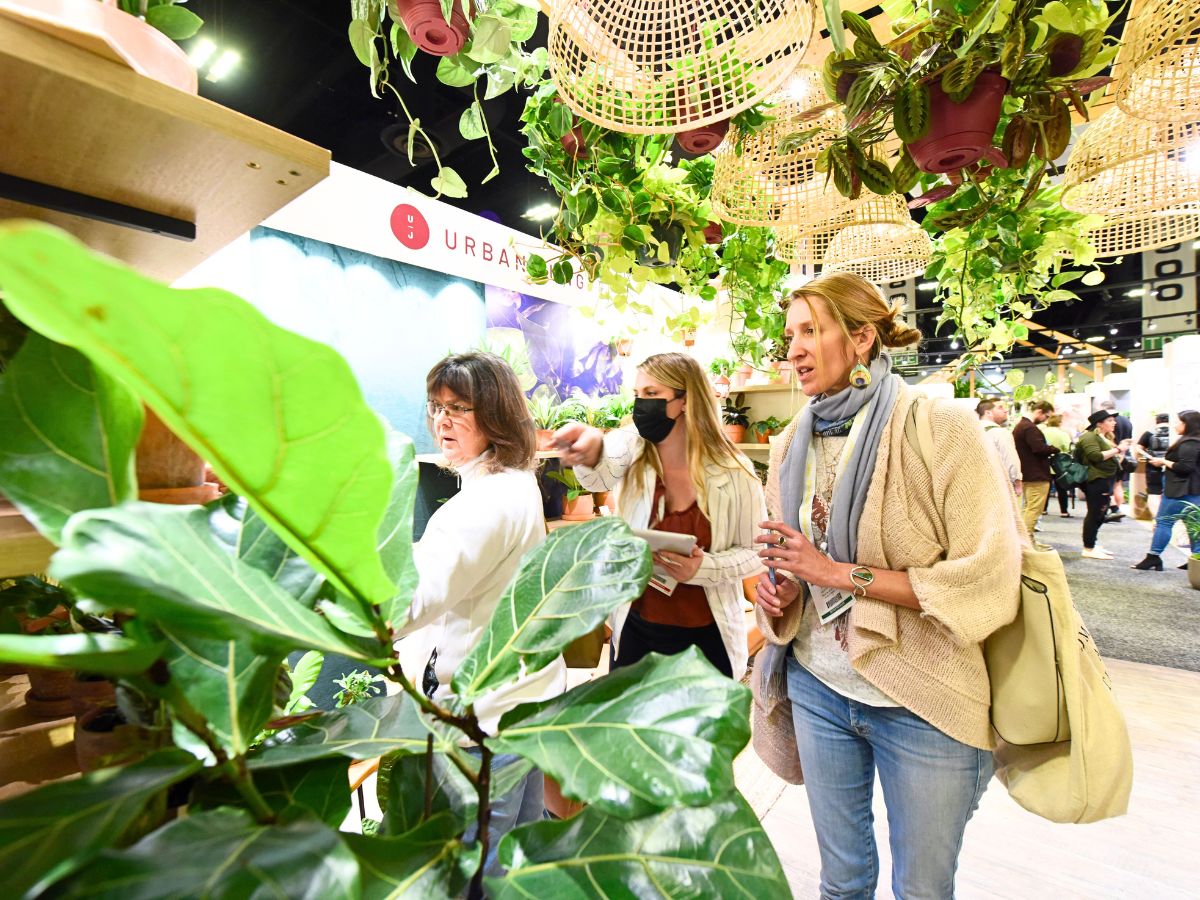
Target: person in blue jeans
<point>1181,487</point>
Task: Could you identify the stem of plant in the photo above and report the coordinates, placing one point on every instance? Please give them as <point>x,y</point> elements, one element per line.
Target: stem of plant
<point>428,776</point>
<point>483,787</point>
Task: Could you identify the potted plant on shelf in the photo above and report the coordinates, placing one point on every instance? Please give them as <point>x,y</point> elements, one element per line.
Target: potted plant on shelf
<point>721,369</point>
<point>764,430</point>
<point>580,505</point>
<point>547,415</point>
<point>735,419</point>
<point>32,605</point>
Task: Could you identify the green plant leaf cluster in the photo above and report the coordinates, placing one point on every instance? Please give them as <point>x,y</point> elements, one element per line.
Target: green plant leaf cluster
<point>168,16</point>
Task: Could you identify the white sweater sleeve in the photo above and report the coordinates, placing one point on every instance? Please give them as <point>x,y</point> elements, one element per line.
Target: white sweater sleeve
<point>621,447</point>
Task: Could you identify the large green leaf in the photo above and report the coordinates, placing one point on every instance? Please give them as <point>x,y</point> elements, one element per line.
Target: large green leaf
<point>245,534</point>
<point>395,532</point>
<point>280,417</point>
<point>67,434</point>
<point>662,731</point>
<point>709,851</point>
<point>164,562</point>
<point>228,682</point>
<point>427,863</point>
<point>48,831</point>
<point>102,654</point>
<point>319,785</point>
<point>565,587</point>
<point>224,853</point>
<point>360,731</point>
<point>402,786</point>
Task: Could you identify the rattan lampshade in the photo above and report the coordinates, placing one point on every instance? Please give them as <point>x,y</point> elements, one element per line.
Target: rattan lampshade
<point>759,185</point>
<point>659,66</point>
<point>1124,167</point>
<point>1118,237</point>
<point>880,253</point>
<point>1162,80</point>
<point>808,244</point>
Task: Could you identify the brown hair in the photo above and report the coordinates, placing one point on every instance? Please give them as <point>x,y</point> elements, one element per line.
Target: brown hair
<point>985,406</point>
<point>854,302</point>
<point>1054,421</point>
<point>1041,406</point>
<point>488,384</point>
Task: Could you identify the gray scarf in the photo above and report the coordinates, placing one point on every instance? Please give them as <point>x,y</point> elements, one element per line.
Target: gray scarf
<point>850,494</point>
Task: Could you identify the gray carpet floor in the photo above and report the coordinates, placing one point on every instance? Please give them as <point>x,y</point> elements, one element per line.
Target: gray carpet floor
<point>1147,617</point>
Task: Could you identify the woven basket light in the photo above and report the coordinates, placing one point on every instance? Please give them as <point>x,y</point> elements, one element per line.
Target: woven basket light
<point>760,186</point>
<point>880,253</point>
<point>1162,80</point>
<point>1124,167</point>
<point>807,244</point>
<point>659,66</point>
<point>1118,237</point>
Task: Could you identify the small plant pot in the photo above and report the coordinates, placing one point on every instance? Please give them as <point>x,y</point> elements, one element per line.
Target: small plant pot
<point>960,133</point>
<point>428,28</point>
<point>672,236</point>
<point>740,376</point>
<point>545,439</point>
<point>580,509</point>
<point>603,498</point>
<point>714,233</point>
<point>89,692</point>
<point>783,370</point>
<point>736,433</point>
<point>168,470</point>
<point>49,695</point>
<point>762,437</point>
<point>1193,571</point>
<point>574,144</point>
<point>103,738</point>
<point>704,139</point>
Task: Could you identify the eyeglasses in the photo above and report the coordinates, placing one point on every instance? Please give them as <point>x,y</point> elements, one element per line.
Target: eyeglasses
<point>453,410</point>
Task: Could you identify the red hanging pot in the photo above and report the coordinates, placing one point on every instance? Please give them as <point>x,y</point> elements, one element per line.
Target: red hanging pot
<point>428,28</point>
<point>704,139</point>
<point>960,134</point>
<point>574,144</point>
<point>713,233</point>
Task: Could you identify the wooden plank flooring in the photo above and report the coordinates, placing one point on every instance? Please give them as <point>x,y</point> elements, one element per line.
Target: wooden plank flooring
<point>1152,852</point>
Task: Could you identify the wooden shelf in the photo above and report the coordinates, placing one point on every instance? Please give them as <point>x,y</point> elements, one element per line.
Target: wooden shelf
<point>22,550</point>
<point>77,121</point>
<point>754,448</point>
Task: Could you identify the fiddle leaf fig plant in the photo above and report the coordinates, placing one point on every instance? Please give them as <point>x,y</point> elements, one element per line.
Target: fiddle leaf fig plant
<point>168,16</point>
<point>209,617</point>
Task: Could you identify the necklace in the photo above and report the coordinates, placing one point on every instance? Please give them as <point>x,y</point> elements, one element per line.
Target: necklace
<point>827,463</point>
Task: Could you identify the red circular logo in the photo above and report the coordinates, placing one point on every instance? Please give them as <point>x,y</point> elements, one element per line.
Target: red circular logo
<point>410,227</point>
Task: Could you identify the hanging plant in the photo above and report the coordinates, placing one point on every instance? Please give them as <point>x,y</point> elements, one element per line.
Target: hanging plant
<point>754,280</point>
<point>481,45</point>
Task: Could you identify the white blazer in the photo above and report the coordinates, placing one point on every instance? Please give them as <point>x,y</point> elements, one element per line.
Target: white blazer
<point>736,506</point>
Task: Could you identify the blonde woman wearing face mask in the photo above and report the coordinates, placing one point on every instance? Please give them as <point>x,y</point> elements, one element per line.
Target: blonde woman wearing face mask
<point>891,569</point>
<point>676,471</point>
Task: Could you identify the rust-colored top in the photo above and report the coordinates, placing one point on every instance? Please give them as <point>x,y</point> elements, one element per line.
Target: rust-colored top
<point>688,606</point>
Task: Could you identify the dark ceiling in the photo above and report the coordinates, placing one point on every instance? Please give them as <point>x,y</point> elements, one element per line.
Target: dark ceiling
<point>299,74</point>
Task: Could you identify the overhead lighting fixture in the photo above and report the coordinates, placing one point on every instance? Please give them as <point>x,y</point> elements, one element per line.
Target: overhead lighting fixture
<point>954,344</point>
<point>1098,339</point>
<point>1136,292</point>
<point>225,64</point>
<point>938,360</point>
<point>1137,344</point>
<point>930,285</point>
<point>202,52</point>
<point>1152,326</point>
<point>540,213</point>
<point>1114,330</point>
<point>1067,351</point>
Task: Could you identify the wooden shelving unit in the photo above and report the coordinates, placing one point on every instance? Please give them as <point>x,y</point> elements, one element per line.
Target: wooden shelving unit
<point>754,448</point>
<point>76,121</point>
<point>22,550</point>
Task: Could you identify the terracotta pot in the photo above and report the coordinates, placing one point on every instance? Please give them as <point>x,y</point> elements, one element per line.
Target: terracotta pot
<point>736,433</point>
<point>740,376</point>
<point>558,805</point>
<point>703,139</point>
<point>1193,571</point>
<point>574,144</point>
<point>580,509</point>
<point>545,439</point>
<point>164,461</point>
<point>104,29</point>
<point>89,692</point>
<point>102,738</point>
<point>960,133</point>
<point>428,28</point>
<point>784,370</point>
<point>603,498</point>
<point>762,437</point>
<point>49,695</point>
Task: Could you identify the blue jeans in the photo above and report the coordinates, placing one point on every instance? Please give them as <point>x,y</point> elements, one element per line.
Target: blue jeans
<point>524,803</point>
<point>931,786</point>
<point>1167,510</point>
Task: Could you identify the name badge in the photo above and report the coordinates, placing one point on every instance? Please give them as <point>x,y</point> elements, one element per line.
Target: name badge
<point>830,602</point>
<point>663,583</point>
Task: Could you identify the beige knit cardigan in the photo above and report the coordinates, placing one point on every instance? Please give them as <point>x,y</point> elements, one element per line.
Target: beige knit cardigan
<point>958,539</point>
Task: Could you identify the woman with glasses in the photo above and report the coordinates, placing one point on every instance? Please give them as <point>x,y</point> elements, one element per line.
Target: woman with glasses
<point>473,544</point>
<point>675,470</point>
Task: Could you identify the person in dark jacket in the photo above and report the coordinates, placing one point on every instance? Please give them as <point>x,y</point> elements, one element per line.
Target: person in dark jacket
<point>1155,444</point>
<point>1034,453</point>
<point>1122,432</point>
<point>1096,450</point>
<point>1181,486</point>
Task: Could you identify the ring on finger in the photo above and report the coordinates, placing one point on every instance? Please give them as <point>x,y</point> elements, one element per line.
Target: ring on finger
<point>782,541</point>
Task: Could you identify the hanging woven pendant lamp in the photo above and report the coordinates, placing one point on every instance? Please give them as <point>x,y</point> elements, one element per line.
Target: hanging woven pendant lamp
<point>760,185</point>
<point>1162,80</point>
<point>880,253</point>
<point>1125,167</point>
<point>1118,237</point>
<point>805,245</point>
<point>662,66</point>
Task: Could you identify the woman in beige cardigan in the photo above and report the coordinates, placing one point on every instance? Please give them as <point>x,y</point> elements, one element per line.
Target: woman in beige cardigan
<point>889,570</point>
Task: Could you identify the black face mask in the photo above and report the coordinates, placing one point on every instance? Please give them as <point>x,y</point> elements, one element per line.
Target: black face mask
<point>651,420</point>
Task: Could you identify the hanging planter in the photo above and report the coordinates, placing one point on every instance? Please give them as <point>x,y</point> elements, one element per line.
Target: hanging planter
<point>574,144</point>
<point>704,139</point>
<point>960,134</point>
<point>672,236</point>
<point>714,233</point>
<point>428,28</point>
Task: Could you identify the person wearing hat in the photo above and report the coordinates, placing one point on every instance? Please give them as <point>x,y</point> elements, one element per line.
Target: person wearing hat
<point>1096,450</point>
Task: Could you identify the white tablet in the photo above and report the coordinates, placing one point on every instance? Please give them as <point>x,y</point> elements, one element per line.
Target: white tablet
<point>668,540</point>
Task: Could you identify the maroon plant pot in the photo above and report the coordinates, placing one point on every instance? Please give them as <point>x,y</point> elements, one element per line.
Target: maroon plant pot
<point>574,144</point>
<point>704,139</point>
<point>713,233</point>
<point>960,133</point>
<point>428,28</point>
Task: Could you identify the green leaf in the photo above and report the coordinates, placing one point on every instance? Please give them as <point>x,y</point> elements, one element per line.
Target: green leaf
<point>429,862</point>
<point>453,71</point>
<point>560,120</point>
<point>305,673</point>
<point>67,435</point>
<point>535,267</point>
<point>224,853</point>
<point>1023,393</point>
<point>687,721</point>
<point>490,39</point>
<point>319,786</point>
<point>711,851</point>
<point>164,562</point>
<point>449,182</point>
<point>265,407</point>
<point>395,531</point>
<point>635,234</point>
<point>562,272</point>
<point>876,176</point>
<point>360,731</point>
<point>565,587</point>
<point>362,42</point>
<point>833,22</point>
<point>175,22</point>
<point>499,80</point>
<point>470,123</point>
<point>242,532</point>
<point>521,18</point>
<point>1058,15</point>
<point>910,115</point>
<point>101,654</point>
<point>401,786</point>
<point>958,78</point>
<point>59,827</point>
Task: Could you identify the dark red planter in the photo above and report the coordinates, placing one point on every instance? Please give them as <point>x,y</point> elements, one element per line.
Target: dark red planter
<point>704,139</point>
<point>428,28</point>
<point>574,144</point>
<point>713,233</point>
<point>960,133</point>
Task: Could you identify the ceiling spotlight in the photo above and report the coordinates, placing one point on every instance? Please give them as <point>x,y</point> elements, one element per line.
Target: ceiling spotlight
<point>225,64</point>
<point>1113,330</point>
<point>926,285</point>
<point>202,52</point>
<point>1152,326</point>
<point>1137,344</point>
<point>938,360</point>
<point>541,212</point>
<point>1136,292</point>
<point>1067,351</point>
<point>1098,339</point>
<point>954,344</point>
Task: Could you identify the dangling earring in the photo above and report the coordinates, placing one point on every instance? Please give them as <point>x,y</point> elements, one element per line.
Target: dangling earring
<point>860,376</point>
